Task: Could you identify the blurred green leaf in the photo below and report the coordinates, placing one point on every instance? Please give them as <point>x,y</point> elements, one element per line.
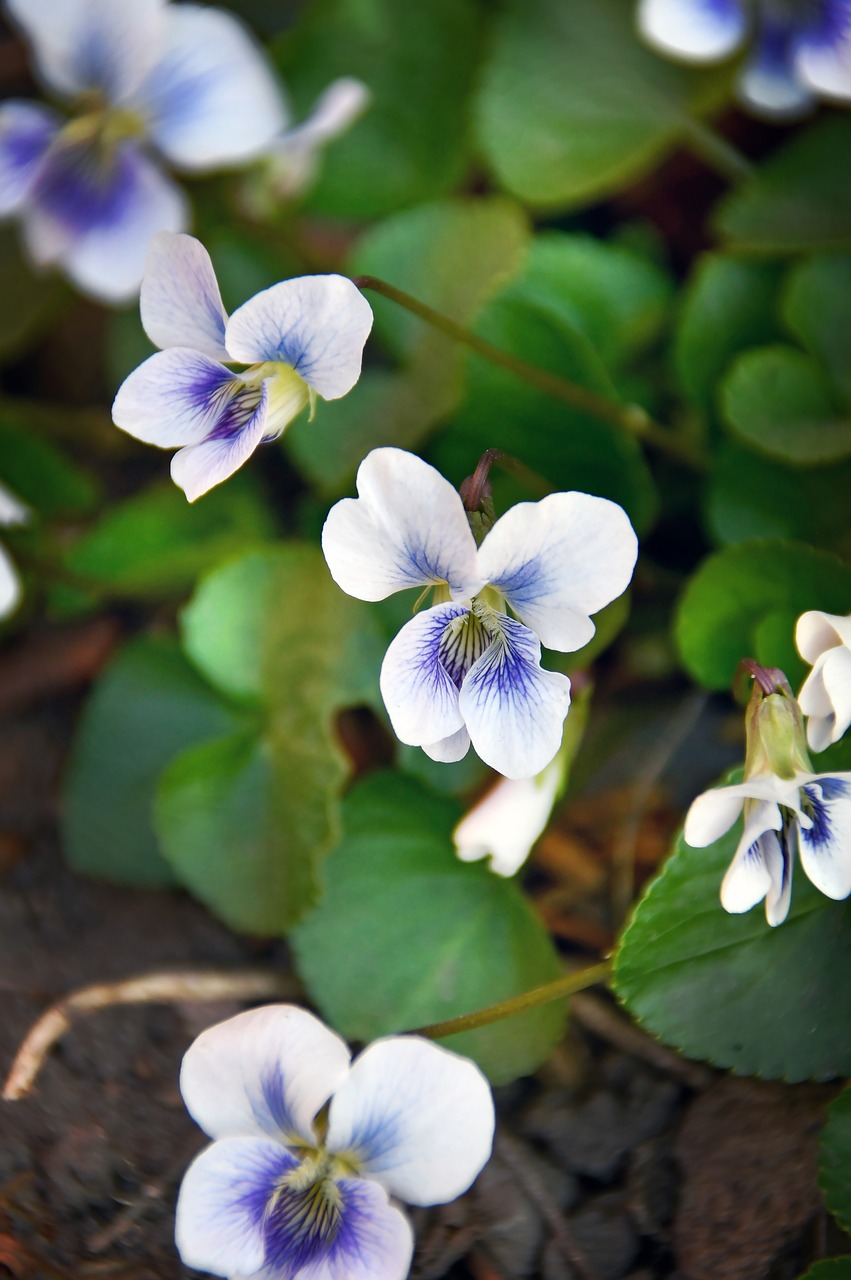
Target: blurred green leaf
<point>734,591</point>
<point>27,300</point>
<point>419,62</point>
<point>729,988</point>
<point>800,197</point>
<point>148,706</point>
<point>829,1269</point>
<point>156,543</point>
<point>779,400</point>
<point>817,308</point>
<point>408,935</point>
<point>835,1160</point>
<point>39,473</point>
<point>729,305</point>
<point>572,106</point>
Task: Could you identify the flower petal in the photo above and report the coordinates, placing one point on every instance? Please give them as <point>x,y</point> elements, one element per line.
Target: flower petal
<point>223,1202</point>
<point>514,710</point>
<point>408,528</point>
<point>267,1071</point>
<point>506,822</point>
<point>837,684</point>
<point>197,468</point>
<point>12,510</point>
<point>416,1117</point>
<point>181,397</point>
<point>823,53</point>
<point>10,585</point>
<point>96,217</point>
<point>26,132</point>
<point>558,560</point>
<point>317,324</point>
<point>212,99</point>
<point>419,692</point>
<point>715,811</point>
<point>770,83</point>
<point>180,302</point>
<point>697,30</point>
<point>92,44</point>
<point>451,749</point>
<point>825,847</point>
<point>815,632</point>
<point>761,867</point>
<point>337,108</point>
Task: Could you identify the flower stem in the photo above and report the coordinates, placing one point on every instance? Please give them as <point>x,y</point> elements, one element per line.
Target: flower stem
<point>716,151</point>
<point>628,417</point>
<point>560,989</point>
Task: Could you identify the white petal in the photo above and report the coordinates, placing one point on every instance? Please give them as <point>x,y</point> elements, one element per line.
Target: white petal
<point>317,324</point>
<point>837,684</point>
<point>179,397</point>
<point>267,1071</point>
<point>770,82</point>
<point>559,560</point>
<point>696,30</point>
<point>449,750</point>
<point>514,710</point>
<point>197,468</point>
<point>825,848</point>
<point>96,222</point>
<point>335,111</point>
<point>10,585</point>
<point>408,528</point>
<point>815,632</point>
<point>715,811</point>
<point>508,820</point>
<point>375,1240</point>
<point>823,56</point>
<point>223,1201</point>
<point>418,1118</point>
<point>760,868</point>
<point>212,99</point>
<point>107,45</point>
<point>12,510</point>
<point>26,131</point>
<point>180,302</point>
<point>418,690</point>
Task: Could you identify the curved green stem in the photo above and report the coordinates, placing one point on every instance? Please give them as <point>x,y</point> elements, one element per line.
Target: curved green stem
<point>714,149</point>
<point>628,417</point>
<point>560,989</point>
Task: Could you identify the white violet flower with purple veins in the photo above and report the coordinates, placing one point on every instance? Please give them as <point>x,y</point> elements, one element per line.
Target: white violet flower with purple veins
<point>12,512</point>
<point>824,641</point>
<point>145,79</point>
<point>802,48</point>
<point>309,1146</point>
<point>299,339</point>
<point>509,819</point>
<point>466,669</point>
<point>786,806</point>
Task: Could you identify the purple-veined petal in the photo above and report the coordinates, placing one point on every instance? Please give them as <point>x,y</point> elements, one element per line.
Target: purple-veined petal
<point>224,1201</point>
<point>317,324</point>
<point>181,397</point>
<point>696,30</point>
<point>770,83</point>
<point>26,131</point>
<point>451,749</point>
<point>761,867</point>
<point>107,45</point>
<point>264,1072</point>
<point>10,585</point>
<point>825,845</point>
<point>416,1117</point>
<point>507,821</point>
<point>715,811</point>
<point>180,302</point>
<point>197,468</point>
<point>419,688</point>
<point>212,99</point>
<point>815,632</point>
<point>514,710</point>
<point>558,560</point>
<point>823,50</point>
<point>95,215</point>
<point>408,528</point>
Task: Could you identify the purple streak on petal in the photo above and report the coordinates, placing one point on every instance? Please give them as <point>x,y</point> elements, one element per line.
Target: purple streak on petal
<point>26,132</point>
<point>459,649</point>
<point>770,81</point>
<point>82,187</point>
<point>819,796</point>
<point>303,1225</point>
<point>828,23</point>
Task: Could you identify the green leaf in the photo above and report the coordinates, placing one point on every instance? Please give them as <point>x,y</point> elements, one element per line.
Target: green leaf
<point>408,935</point>
<point>246,821</point>
<point>731,989</point>
<point>572,105</point>
<point>156,543</point>
<point>419,62</point>
<point>829,1269</point>
<point>567,447</point>
<point>835,1160</point>
<point>728,306</point>
<point>779,400</point>
<point>735,590</point>
<point>148,706</point>
<point>40,473</point>
<point>750,496</point>
<point>27,300</point>
<point>799,199</point>
<point>817,308</point>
